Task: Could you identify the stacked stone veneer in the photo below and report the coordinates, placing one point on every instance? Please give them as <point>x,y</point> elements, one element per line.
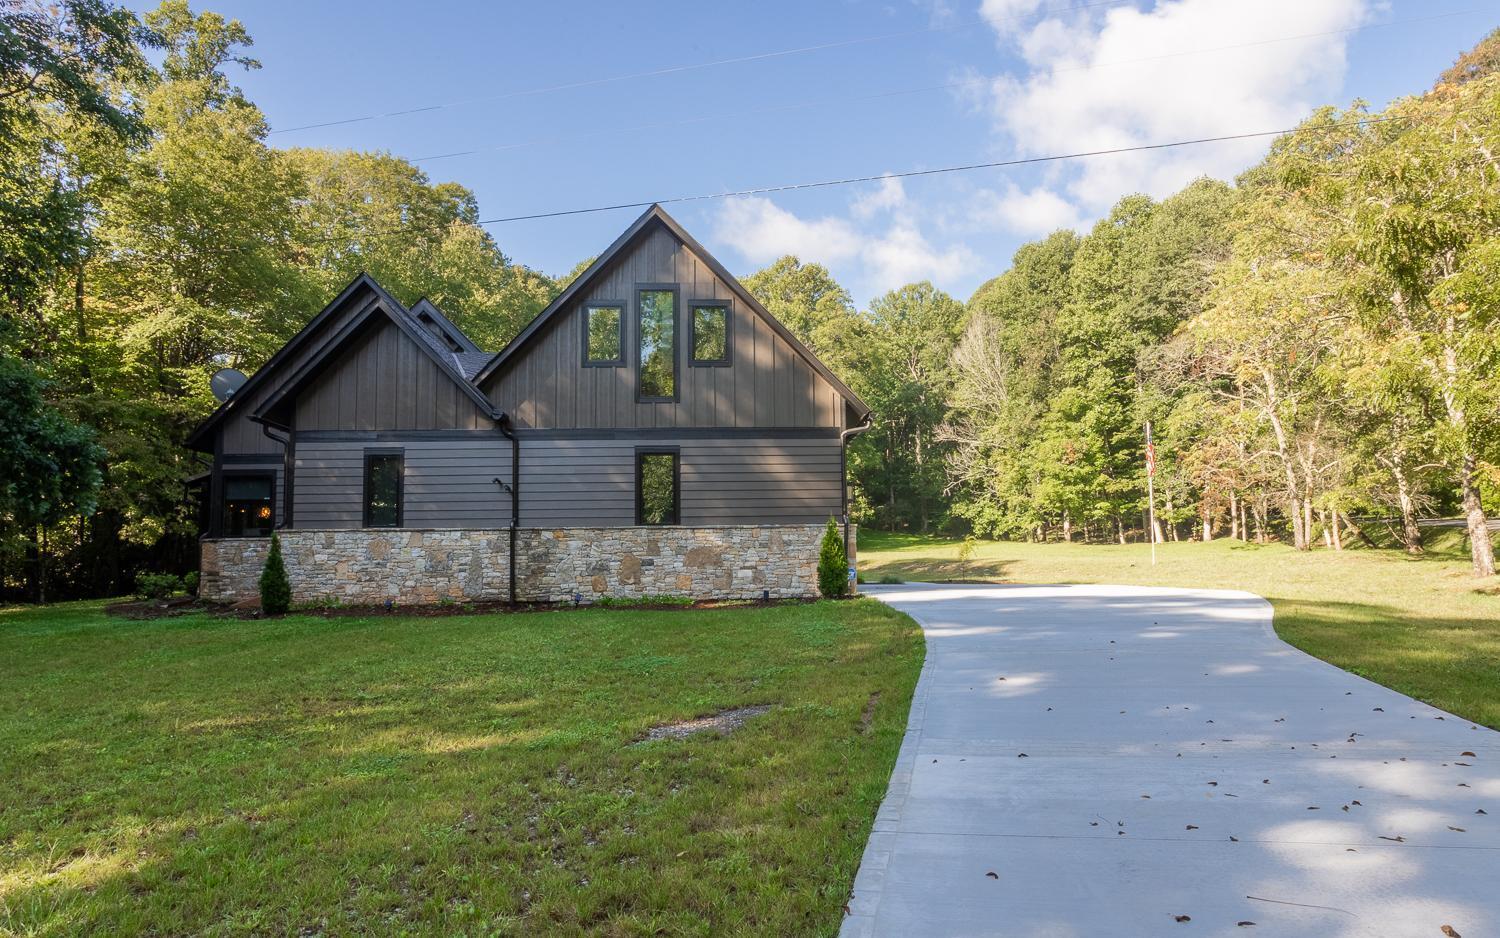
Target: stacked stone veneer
<point>554,565</point>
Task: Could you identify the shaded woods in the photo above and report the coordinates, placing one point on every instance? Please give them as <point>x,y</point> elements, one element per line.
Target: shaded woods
<point>1314,344</point>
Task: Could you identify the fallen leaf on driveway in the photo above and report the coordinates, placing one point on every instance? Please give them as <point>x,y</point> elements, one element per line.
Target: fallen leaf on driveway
<point>1448,930</point>
<point>1459,829</point>
<point>1233,839</point>
<point>992,874</point>
<point>1192,827</point>
<point>1182,918</point>
<point>1245,923</point>
<point>1398,839</point>
<point>1470,754</point>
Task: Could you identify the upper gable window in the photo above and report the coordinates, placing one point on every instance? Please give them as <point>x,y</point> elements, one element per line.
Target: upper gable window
<point>657,321</point>
<point>710,333</point>
<point>603,339</point>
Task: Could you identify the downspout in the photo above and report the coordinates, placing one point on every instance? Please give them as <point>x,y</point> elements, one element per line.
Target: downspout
<point>503,422</point>
<point>844,439</point>
<point>288,464</point>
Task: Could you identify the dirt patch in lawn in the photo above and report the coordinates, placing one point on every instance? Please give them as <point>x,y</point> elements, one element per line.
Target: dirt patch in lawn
<point>723,722</point>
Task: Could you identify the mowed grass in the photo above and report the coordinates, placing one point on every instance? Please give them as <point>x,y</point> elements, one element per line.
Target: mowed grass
<point>1425,627</point>
<point>468,775</point>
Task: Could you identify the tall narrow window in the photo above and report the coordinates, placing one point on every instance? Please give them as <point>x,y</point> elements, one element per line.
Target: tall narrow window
<point>603,342</point>
<point>656,480</point>
<point>383,477</point>
<point>658,338</point>
<point>710,333</point>
<point>247,505</point>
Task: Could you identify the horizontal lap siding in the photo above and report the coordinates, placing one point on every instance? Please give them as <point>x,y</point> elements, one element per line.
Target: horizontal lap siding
<point>577,483</point>
<point>748,481</point>
<point>567,483</point>
<point>448,483</point>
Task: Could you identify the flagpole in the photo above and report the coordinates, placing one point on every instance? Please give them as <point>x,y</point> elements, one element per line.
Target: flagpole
<point>1151,490</point>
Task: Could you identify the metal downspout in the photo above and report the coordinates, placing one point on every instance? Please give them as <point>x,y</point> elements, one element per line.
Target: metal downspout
<point>503,422</point>
<point>288,463</point>
<point>844,439</point>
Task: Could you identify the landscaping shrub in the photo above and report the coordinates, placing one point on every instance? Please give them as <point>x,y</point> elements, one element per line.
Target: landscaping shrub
<point>190,582</point>
<point>156,585</point>
<point>275,588</point>
<point>833,563</point>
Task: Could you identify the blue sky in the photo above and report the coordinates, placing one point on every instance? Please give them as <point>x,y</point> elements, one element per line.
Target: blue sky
<point>946,82</point>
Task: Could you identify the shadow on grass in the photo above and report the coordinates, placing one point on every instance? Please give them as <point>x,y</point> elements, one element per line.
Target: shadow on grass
<point>1450,663</point>
<point>443,776</point>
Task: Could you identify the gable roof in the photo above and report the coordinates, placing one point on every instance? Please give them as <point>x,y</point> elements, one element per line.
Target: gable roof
<point>425,309</point>
<point>656,215</point>
<point>380,303</point>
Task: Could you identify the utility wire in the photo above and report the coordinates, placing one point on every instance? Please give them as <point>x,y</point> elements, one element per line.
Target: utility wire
<point>675,69</point>
<point>908,174</point>
<point>823,102</point>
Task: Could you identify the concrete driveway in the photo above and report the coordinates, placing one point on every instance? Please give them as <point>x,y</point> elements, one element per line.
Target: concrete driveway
<point>1100,760</point>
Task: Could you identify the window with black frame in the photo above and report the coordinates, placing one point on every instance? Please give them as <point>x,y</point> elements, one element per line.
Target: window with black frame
<point>710,333</point>
<point>656,483</point>
<point>603,338</point>
<point>248,509</point>
<point>383,478</point>
<point>657,330</point>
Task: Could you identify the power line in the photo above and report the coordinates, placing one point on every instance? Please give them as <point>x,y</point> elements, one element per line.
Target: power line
<point>908,174</point>
<point>675,69</point>
<point>845,99</point>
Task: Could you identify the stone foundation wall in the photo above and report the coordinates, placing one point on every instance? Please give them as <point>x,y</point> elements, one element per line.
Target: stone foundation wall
<point>554,565</point>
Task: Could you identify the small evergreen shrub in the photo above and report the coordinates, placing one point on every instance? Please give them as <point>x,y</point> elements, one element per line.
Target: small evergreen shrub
<point>156,585</point>
<point>833,563</point>
<point>275,588</point>
<point>190,582</point>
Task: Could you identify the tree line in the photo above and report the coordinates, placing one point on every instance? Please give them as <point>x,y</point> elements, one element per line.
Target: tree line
<point>1313,346</point>
<point>148,237</point>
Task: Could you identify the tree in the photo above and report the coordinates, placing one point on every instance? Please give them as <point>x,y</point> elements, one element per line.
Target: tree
<point>58,65</point>
<point>807,300</point>
<point>1424,240</point>
<point>49,466</point>
<point>379,214</point>
<point>833,563</point>
<point>275,588</point>
<point>900,358</point>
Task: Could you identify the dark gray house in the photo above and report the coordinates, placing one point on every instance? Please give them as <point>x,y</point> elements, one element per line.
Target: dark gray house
<point>654,431</point>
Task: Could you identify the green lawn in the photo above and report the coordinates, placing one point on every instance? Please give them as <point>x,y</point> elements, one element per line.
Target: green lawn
<point>1425,627</point>
<point>461,775</point>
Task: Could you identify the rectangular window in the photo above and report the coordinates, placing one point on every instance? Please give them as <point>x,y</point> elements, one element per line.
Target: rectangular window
<point>710,333</point>
<point>603,342</point>
<point>383,483</point>
<point>248,511</point>
<point>656,479</point>
<point>658,344</point>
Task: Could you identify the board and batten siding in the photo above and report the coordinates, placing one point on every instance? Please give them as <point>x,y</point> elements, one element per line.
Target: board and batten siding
<point>239,434</point>
<point>740,480</point>
<point>449,483</point>
<point>766,384</point>
<point>383,381</point>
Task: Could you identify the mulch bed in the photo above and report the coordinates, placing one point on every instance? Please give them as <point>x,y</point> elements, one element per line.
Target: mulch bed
<point>186,605</point>
<point>725,721</point>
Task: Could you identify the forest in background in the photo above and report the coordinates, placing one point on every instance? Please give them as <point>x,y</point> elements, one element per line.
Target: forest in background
<point>1314,345</point>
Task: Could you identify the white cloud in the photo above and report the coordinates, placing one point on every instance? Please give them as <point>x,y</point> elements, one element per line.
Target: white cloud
<point>763,231</point>
<point>1032,213</point>
<point>1120,78</point>
<point>890,195</point>
<point>882,252</point>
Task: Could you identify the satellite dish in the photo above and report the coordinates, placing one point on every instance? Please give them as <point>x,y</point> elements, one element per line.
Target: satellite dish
<point>225,382</point>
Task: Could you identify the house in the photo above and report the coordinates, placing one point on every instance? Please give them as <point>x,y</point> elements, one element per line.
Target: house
<point>654,431</point>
